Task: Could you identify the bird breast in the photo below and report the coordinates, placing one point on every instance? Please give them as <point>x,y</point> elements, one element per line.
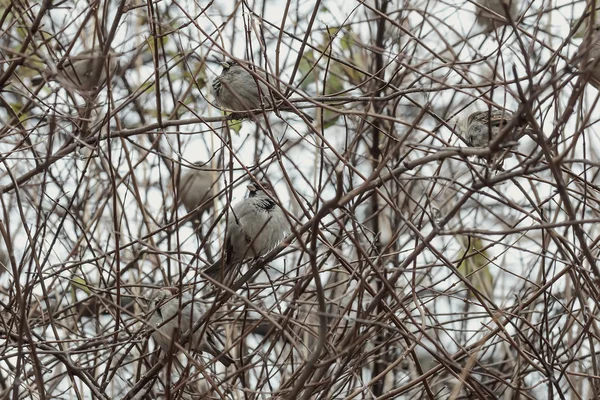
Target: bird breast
<point>479,136</point>
<point>194,188</point>
<point>237,90</point>
<point>259,221</point>
<point>177,323</point>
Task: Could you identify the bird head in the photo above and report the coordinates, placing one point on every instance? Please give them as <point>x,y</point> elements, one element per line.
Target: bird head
<point>160,296</point>
<point>477,116</point>
<point>265,186</point>
<point>228,64</point>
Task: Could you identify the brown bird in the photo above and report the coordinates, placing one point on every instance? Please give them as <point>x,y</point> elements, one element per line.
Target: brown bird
<point>593,60</point>
<point>484,126</point>
<point>79,72</point>
<point>236,89</point>
<point>489,20</point>
<point>172,315</point>
<point>195,190</point>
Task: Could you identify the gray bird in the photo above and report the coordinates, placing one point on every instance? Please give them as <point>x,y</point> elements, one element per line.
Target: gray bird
<point>488,20</point>
<point>195,189</point>
<point>254,227</point>
<point>483,126</point>
<point>169,322</point>
<point>593,60</point>
<point>78,72</point>
<point>236,89</point>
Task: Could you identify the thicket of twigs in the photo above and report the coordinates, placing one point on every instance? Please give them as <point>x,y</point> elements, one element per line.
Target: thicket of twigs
<point>413,270</point>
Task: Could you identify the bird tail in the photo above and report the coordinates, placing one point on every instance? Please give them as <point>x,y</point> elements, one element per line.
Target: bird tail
<point>220,356</point>
<point>213,270</point>
<point>219,270</point>
<point>210,347</point>
<point>225,360</point>
<point>37,80</point>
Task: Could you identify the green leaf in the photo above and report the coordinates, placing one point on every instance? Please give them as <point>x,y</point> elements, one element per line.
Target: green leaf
<point>80,283</point>
<point>306,68</point>
<point>235,125</point>
<point>475,267</point>
<point>333,85</point>
<point>347,38</point>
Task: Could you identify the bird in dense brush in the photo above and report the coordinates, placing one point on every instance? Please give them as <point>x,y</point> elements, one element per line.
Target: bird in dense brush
<point>237,89</point>
<point>195,190</point>
<point>484,126</point>
<point>498,14</point>
<point>84,72</point>
<point>593,56</point>
<point>254,227</point>
<point>173,315</point>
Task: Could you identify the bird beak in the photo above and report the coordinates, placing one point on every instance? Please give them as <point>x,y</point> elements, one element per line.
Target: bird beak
<point>174,291</point>
<point>224,64</point>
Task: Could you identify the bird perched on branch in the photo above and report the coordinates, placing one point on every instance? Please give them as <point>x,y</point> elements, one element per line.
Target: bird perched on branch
<point>238,90</point>
<point>85,72</point>
<point>503,8</point>
<point>484,126</point>
<point>172,315</point>
<point>195,190</point>
<point>593,56</point>
<point>254,227</point>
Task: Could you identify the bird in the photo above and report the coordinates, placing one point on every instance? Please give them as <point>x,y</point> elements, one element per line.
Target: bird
<point>489,20</point>
<point>237,90</point>
<point>593,60</point>
<point>172,315</point>
<point>254,227</point>
<point>484,126</point>
<point>79,72</point>
<point>195,189</point>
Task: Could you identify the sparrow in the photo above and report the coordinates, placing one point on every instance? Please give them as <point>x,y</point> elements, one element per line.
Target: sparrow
<point>489,20</point>
<point>593,60</point>
<point>195,190</point>
<point>78,72</point>
<point>483,126</point>
<point>236,89</point>
<point>254,227</point>
<point>172,315</point>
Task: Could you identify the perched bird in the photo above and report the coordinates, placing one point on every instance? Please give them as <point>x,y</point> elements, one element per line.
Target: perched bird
<point>195,189</point>
<point>254,227</point>
<point>483,126</point>
<point>593,60</point>
<point>79,72</point>
<point>488,20</point>
<point>237,89</point>
<point>173,315</point>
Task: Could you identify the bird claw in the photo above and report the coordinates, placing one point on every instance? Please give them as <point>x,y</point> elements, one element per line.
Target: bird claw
<point>260,260</point>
